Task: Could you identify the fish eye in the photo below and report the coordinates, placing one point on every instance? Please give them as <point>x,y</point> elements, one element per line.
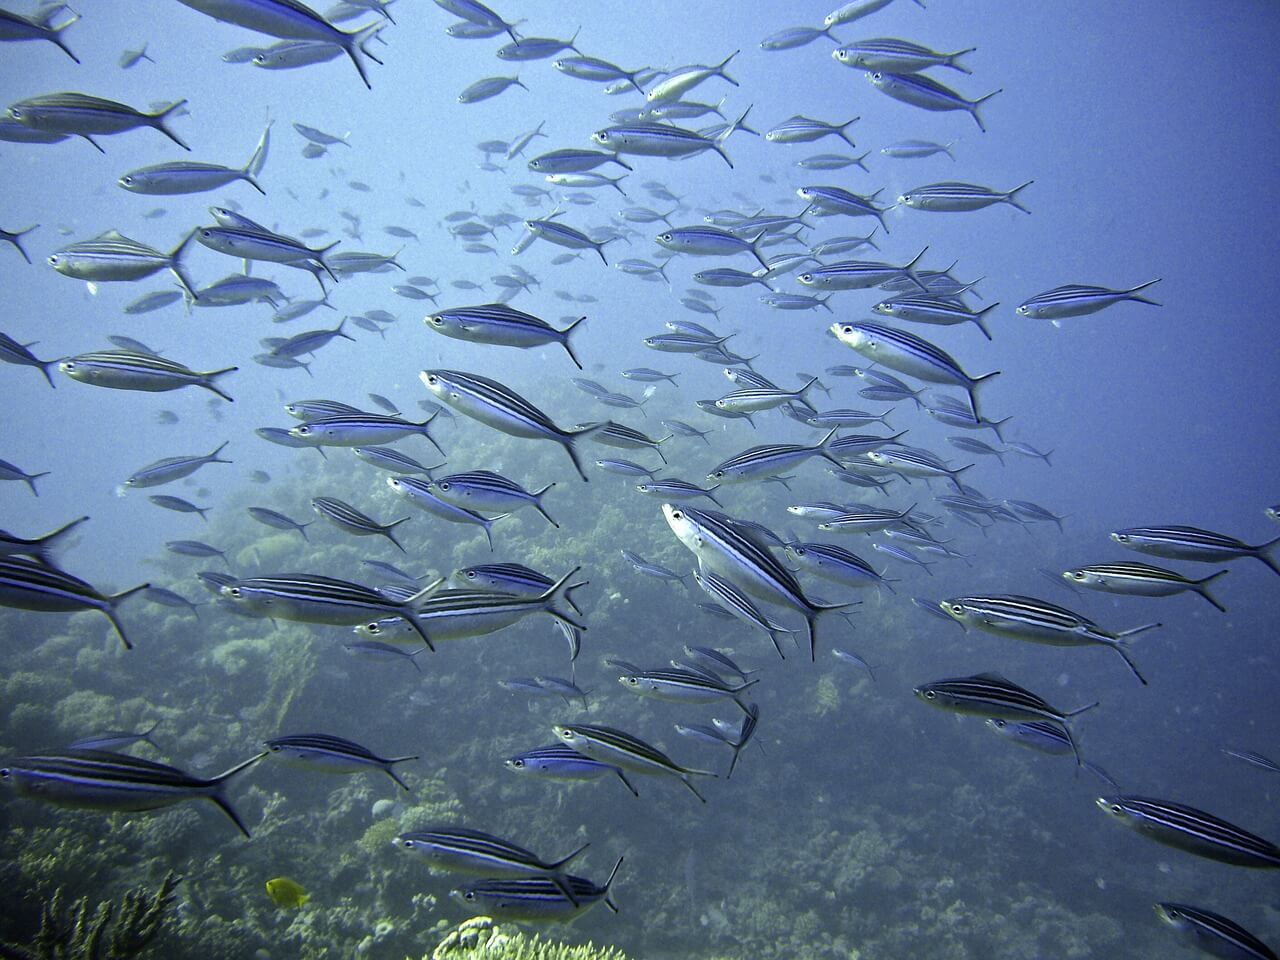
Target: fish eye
<point>665,238</point>
<point>806,278</point>
<point>53,260</point>
<point>469,896</point>
<point>407,844</point>
<point>444,485</point>
<point>1120,538</point>
<point>4,774</point>
<point>126,180</point>
<point>799,551</point>
<point>1077,574</point>
<point>273,747</point>
<point>957,609</point>
<point>677,515</point>
<point>1116,808</point>
<point>930,694</point>
<point>206,234</point>
<point>68,366</point>
<point>432,378</point>
<point>631,681</point>
<point>847,328</point>
<point>998,724</point>
<point>233,591</point>
<point>877,76</point>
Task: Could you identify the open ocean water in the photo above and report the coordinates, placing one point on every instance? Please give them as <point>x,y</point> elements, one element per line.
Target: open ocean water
<point>860,821</point>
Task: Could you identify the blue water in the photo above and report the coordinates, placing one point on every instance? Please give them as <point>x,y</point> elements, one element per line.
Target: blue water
<point>870,825</point>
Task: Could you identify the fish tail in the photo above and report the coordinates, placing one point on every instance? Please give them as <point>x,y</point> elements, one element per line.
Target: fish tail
<point>208,383</point>
<point>1008,197</point>
<point>973,385</point>
<point>354,43</point>
<point>977,319</point>
<point>225,806</point>
<point>48,544</point>
<point>719,70</point>
<point>973,108</point>
<point>390,536</point>
<point>213,457</point>
<point>1202,588</point>
<point>1134,631</point>
<point>57,37</point>
<point>31,479</point>
<point>1131,291</point>
<point>158,121</point>
<point>842,130</point>
<point>175,266</point>
<point>822,451</point>
<point>13,239</point>
<point>110,611</point>
<point>259,156</point>
<point>953,57</point>
<point>563,861</point>
<point>909,270</point>
<point>861,161</point>
<point>537,502</point>
<point>608,884</point>
<point>1263,553</point>
<point>616,184</point>
<point>302,529</point>
<point>560,590</point>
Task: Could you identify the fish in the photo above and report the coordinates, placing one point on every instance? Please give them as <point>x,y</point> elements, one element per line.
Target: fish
<point>293,20</point>
<point>16,27</point>
<point>1046,737</point>
<point>770,459</point>
<point>376,650</point>
<point>173,468</point>
<point>926,93</point>
<point>684,686</point>
<point>474,12</point>
<point>112,257</point>
<point>291,54</point>
<point>82,115</point>
<point>909,354</point>
<point>19,354</point>
<point>838,565</point>
<point>341,514</point>
<point>43,549</point>
<point>116,782</point>
<point>421,493</point>
<point>573,161</point>
<point>486,491</point>
<point>116,739</point>
<point>462,850</point>
<point>650,139</point>
<point>1192,830</point>
<point>793,37</point>
<point>29,584</point>
<point>628,752</point>
<point>361,429</point>
<point>559,761</point>
<point>802,129</point>
<point>497,323</point>
<point>856,10</point>
<point>917,149</point>
<point>502,408</point>
<point>1141,580</point>
<point>991,695</point>
<point>1213,932</point>
<point>675,85</point>
<point>330,754</point>
<point>287,894</point>
<point>178,505</point>
<point>1193,543</point>
<point>131,370</point>
<point>723,548</point>
<point>896,56</point>
<point>1039,621</point>
<point>537,899</point>
<point>184,177</point>
<point>1078,300</point>
<point>936,310</point>
<point>308,598</point>
<point>488,88</point>
<point>954,197</point>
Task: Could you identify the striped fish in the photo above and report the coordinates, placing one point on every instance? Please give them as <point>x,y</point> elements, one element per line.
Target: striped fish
<point>837,565</point>
<point>80,115</point>
<point>318,409</point>
<point>1039,621</point>
<point>273,518</point>
<point>259,243</point>
<point>421,493</point>
<point>173,468</point>
<point>684,686</point>
<point>131,370</point>
<point>991,695</point>
<point>1195,831</point>
<point>112,257</point>
<point>563,235</point>
<point>649,139</point>
<point>860,274</point>
<point>536,899</point>
<point>343,515</point>
<point>1252,757</point>
<point>572,161</point>
<point>458,614</point>
<point>932,309</point>
<point>14,26</point>
<point>952,196</point>
<point>896,56</point>
<point>1192,543</point>
<point>559,761</point>
<point>867,520</point>
<point>1045,736</point>
<point>388,458</point>
<point>459,850</point>
<point>1213,932</point>
<point>293,20</point>
<point>11,351</point>
<point>502,408</point>
<point>771,459</point>
<point>754,399</point>
<point>1078,300</point>
<point>484,490</point>
<point>909,354</point>
<point>673,489</point>
<point>801,129</point>
<point>926,93</point>
<point>725,548</point>
<point>911,463</point>
<point>626,438</point>
<point>308,598</point>
<point>621,749</point>
<point>361,429</point>
<point>43,548</point>
<point>103,780</point>
<point>497,323</point>
<point>1141,580</point>
<point>837,200</point>
<point>655,570</point>
<point>27,584</point>
<point>330,754</point>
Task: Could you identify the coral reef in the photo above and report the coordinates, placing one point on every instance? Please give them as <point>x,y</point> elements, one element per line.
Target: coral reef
<point>481,939</point>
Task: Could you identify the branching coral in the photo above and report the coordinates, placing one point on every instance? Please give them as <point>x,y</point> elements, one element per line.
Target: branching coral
<point>480,937</point>
<point>77,932</point>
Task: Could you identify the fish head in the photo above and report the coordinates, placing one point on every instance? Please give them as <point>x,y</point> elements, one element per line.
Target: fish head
<point>1000,726</point>
<point>132,182</point>
<point>878,79</point>
<point>601,137</point>
<point>303,431</point>
<point>1121,537</point>
<point>630,682</point>
<point>434,381</point>
<point>1079,576</point>
<point>854,336</point>
<point>567,733</point>
<point>929,693</point>
<point>846,56</point>
<point>957,610</point>
<point>1024,311</point>
<point>1113,805</point>
<point>684,526</point>
<point>907,200</point>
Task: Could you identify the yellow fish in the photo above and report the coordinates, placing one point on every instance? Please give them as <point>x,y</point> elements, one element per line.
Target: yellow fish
<point>287,894</point>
